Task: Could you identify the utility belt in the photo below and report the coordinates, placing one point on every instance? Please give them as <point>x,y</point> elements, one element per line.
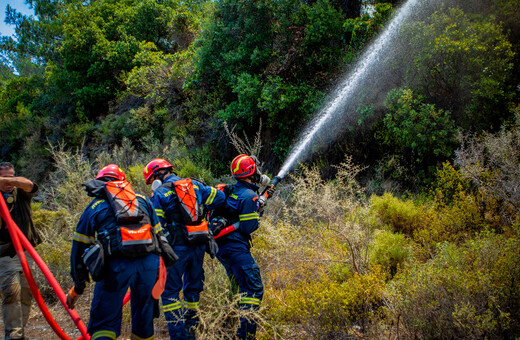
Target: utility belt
<point>126,241</point>
<point>192,234</point>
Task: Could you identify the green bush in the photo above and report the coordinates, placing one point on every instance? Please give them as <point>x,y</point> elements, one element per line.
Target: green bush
<point>390,251</point>
<point>470,291</point>
<point>446,57</point>
<point>401,216</point>
<point>416,136</point>
<point>328,307</point>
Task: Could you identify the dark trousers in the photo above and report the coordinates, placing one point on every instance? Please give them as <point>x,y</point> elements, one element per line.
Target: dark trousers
<point>244,274</point>
<point>187,275</point>
<point>138,274</point>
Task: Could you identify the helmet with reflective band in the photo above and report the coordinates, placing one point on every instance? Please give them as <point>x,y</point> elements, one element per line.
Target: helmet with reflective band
<point>243,166</point>
<point>152,167</point>
<point>111,171</point>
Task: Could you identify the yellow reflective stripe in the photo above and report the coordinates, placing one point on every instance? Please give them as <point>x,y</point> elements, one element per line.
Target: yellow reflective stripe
<point>83,238</point>
<point>159,212</point>
<point>137,337</point>
<point>103,334</point>
<point>211,196</point>
<point>238,163</point>
<point>251,301</point>
<point>157,228</point>
<point>247,217</point>
<point>192,305</point>
<point>172,307</point>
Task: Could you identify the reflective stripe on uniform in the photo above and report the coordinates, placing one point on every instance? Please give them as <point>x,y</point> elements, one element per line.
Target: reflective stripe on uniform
<point>136,337</point>
<point>192,305</point>
<point>171,307</point>
<point>103,334</point>
<point>157,228</point>
<point>83,238</point>
<point>159,212</point>
<point>211,196</point>
<point>250,301</point>
<point>247,217</point>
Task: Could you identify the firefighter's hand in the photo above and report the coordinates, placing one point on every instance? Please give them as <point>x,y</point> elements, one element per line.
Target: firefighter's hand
<point>218,224</point>
<point>212,248</point>
<point>270,191</point>
<point>72,297</point>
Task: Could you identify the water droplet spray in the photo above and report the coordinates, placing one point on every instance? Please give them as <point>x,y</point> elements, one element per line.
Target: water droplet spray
<point>348,88</point>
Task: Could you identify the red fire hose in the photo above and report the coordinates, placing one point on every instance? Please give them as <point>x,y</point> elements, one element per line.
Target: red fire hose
<point>18,239</point>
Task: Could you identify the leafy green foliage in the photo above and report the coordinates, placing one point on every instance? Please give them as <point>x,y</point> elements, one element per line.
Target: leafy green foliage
<point>471,290</point>
<point>462,64</point>
<point>271,60</point>
<point>390,251</point>
<point>418,134</point>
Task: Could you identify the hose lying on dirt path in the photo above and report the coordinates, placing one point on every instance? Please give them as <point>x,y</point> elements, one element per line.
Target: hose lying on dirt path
<point>19,239</point>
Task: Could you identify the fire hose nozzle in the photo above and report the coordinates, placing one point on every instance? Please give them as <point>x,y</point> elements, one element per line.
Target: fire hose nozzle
<point>265,193</point>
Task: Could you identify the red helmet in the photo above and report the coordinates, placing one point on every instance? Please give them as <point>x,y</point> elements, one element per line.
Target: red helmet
<point>152,167</point>
<point>112,171</point>
<point>243,166</point>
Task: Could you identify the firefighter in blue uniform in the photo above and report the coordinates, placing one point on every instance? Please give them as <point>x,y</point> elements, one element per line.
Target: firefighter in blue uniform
<point>242,207</point>
<point>187,274</point>
<point>137,273</point>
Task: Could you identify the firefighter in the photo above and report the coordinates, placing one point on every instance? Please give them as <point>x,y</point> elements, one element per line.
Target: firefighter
<point>133,264</point>
<point>234,249</point>
<point>181,215</point>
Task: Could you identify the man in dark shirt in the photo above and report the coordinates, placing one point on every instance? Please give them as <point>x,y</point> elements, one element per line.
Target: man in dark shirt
<point>16,296</point>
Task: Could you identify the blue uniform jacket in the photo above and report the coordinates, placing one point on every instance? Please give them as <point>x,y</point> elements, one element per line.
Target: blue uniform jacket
<point>167,206</point>
<point>98,215</point>
<point>241,205</point>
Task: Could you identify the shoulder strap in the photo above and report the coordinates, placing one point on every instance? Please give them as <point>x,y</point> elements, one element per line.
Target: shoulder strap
<point>123,201</point>
<point>188,200</point>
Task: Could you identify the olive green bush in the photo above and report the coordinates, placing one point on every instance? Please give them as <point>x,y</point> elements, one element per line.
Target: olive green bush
<point>467,292</point>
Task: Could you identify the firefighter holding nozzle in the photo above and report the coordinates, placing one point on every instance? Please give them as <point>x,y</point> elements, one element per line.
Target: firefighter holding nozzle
<point>242,211</point>
<point>118,242</point>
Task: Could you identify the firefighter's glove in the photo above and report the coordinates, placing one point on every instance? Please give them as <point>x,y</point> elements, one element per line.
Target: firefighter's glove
<point>270,191</point>
<point>72,297</point>
<point>212,248</point>
<point>218,224</point>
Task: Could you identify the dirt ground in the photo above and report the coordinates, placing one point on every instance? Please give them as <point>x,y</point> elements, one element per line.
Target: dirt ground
<point>38,328</point>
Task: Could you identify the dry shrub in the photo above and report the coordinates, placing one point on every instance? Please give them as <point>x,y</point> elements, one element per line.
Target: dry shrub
<point>492,161</point>
<point>312,248</point>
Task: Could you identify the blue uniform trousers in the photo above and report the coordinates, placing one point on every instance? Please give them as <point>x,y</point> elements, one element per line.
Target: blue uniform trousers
<point>186,274</point>
<point>138,274</point>
<point>244,274</point>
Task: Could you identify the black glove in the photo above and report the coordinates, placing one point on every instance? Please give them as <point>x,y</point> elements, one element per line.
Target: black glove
<point>227,190</point>
<point>270,191</point>
<point>167,253</point>
<point>212,248</point>
<point>218,224</point>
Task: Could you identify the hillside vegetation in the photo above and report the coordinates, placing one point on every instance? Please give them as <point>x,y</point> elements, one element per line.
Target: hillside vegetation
<point>405,227</point>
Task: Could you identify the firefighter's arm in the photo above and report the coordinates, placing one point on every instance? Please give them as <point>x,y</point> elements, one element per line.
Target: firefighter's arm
<point>249,215</point>
<point>166,251</point>
<point>158,207</point>
<point>83,237</point>
<point>151,211</point>
<point>211,197</point>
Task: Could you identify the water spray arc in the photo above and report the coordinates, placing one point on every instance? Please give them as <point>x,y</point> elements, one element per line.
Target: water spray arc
<point>346,91</point>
